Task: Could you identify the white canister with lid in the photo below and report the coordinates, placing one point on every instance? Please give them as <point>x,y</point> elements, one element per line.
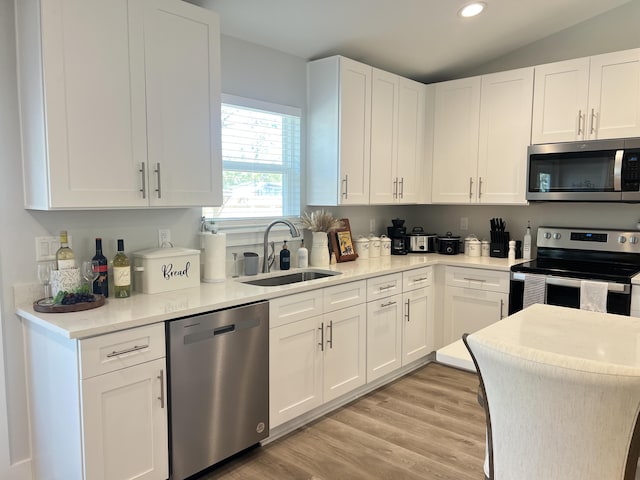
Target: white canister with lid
<point>362,247</point>
<point>385,246</point>
<point>467,240</point>
<point>485,248</point>
<point>474,247</point>
<point>374,246</point>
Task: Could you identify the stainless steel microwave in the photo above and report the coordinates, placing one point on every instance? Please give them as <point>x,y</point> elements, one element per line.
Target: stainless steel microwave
<point>594,171</point>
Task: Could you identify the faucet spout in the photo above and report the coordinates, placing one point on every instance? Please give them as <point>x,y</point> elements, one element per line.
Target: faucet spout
<point>294,233</point>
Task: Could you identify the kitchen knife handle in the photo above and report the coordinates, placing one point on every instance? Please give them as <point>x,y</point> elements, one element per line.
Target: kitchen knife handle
<point>143,175</point>
<point>157,172</point>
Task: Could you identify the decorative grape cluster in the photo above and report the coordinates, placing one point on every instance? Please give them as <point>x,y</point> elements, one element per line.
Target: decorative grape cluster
<point>70,298</point>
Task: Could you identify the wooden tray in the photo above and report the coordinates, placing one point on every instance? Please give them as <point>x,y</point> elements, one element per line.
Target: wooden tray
<point>76,307</point>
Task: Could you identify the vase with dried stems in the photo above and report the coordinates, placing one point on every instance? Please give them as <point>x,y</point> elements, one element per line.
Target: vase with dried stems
<point>320,223</point>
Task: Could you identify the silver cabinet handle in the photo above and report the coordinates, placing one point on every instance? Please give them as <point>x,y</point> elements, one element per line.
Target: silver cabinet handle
<point>474,279</point>
<point>388,304</point>
<point>157,172</point>
<point>594,119</point>
<point>580,123</point>
<point>479,187</point>
<point>408,314</point>
<point>330,327</point>
<point>470,187</point>
<point>501,308</point>
<point>135,348</point>
<point>143,175</point>
<point>401,187</point>
<point>421,279</point>
<point>386,287</point>
<point>161,397</point>
<point>345,183</point>
<point>321,328</point>
<point>395,188</point>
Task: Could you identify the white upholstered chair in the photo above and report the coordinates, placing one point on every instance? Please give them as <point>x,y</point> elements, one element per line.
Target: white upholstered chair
<point>551,417</point>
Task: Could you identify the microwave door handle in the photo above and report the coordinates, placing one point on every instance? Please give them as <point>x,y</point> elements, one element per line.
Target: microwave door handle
<point>617,171</point>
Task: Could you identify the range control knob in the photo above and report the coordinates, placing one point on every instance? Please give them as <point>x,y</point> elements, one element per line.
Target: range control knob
<point>633,240</point>
<point>547,235</point>
<point>622,239</point>
<point>557,236</point>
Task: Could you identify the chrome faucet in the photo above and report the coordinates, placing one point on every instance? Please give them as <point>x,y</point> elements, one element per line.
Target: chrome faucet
<point>269,259</point>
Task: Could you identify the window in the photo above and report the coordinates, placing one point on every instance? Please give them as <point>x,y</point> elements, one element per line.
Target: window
<point>260,160</point>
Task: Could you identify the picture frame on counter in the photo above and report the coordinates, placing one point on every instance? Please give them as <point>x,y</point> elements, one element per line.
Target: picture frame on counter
<point>341,242</point>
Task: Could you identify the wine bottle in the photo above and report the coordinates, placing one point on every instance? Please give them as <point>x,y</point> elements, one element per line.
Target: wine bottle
<point>101,284</point>
<point>64,256</point>
<point>121,273</point>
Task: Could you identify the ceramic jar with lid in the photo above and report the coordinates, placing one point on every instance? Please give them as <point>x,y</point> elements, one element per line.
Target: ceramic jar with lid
<point>467,240</point>
<point>485,248</point>
<point>475,247</point>
<point>374,246</point>
<point>362,247</point>
<point>385,246</point>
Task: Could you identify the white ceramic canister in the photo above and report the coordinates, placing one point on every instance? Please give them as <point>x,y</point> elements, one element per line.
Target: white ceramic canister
<point>468,239</point>
<point>385,246</point>
<point>475,247</point>
<point>485,248</point>
<point>362,247</point>
<point>374,246</point>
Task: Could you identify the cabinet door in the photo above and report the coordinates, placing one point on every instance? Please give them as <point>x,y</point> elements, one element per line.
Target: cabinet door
<point>345,352</point>
<point>384,137</point>
<point>505,132</point>
<point>411,138</point>
<point>418,336</point>
<point>467,310</point>
<point>614,95</point>
<point>560,101</point>
<point>295,369</point>
<point>182,62</point>
<point>384,336</point>
<point>355,132</point>
<point>455,141</point>
<point>125,423</point>
<point>94,107</point>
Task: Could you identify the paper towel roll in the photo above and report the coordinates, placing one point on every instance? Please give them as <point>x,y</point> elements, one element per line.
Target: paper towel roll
<point>214,251</point>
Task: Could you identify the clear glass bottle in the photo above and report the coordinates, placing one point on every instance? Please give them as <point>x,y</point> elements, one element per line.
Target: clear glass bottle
<point>65,258</point>
<point>121,273</point>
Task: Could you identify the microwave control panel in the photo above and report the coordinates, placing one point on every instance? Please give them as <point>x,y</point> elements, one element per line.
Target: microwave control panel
<point>631,171</point>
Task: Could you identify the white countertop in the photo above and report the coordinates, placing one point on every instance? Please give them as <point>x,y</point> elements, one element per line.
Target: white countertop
<point>142,309</point>
<point>562,335</point>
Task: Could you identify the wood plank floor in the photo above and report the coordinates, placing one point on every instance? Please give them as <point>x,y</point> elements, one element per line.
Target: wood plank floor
<point>426,425</point>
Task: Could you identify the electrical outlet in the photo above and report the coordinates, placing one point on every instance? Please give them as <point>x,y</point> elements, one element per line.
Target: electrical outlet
<point>164,237</point>
<point>464,223</point>
<point>372,225</point>
<point>46,248</point>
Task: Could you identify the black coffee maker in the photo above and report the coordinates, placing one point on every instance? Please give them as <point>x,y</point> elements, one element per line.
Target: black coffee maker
<point>398,235</point>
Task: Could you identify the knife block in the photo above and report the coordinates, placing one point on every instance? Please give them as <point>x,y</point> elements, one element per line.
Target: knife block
<point>499,246</point>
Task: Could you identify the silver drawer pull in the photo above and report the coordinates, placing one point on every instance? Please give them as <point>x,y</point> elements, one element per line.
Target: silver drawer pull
<point>387,287</point>
<point>135,348</point>
<point>388,304</point>
<point>475,279</point>
<point>420,279</point>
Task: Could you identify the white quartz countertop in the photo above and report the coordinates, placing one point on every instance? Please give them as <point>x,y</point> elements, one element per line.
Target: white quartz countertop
<point>143,309</point>
<point>568,337</point>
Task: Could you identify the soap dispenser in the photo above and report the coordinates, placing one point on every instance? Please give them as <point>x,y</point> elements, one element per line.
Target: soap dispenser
<point>285,257</point>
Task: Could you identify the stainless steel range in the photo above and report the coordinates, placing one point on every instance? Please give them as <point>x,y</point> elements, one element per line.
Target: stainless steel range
<point>566,256</point>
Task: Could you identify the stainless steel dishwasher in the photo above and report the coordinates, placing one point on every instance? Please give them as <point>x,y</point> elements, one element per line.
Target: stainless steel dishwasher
<point>218,386</point>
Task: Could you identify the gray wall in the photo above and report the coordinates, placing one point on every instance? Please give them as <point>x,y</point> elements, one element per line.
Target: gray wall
<point>252,71</point>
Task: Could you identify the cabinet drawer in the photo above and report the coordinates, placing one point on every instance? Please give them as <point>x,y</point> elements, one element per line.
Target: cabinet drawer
<point>113,351</point>
<point>480,279</point>
<point>345,295</point>
<point>384,286</point>
<point>420,277</point>
<point>285,310</point>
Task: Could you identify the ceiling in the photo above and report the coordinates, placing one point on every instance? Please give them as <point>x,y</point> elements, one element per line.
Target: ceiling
<point>419,39</point>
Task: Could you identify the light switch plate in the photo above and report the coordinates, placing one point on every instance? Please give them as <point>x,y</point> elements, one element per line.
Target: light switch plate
<point>46,247</point>
<point>464,223</point>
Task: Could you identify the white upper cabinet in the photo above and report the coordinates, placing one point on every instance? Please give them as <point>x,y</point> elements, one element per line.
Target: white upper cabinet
<point>108,93</point>
<point>587,98</point>
<point>482,129</point>
<point>397,138</point>
<point>339,125</point>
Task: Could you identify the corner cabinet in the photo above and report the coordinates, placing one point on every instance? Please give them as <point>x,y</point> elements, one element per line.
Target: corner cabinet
<point>339,126</point>
<point>98,405</point>
<point>482,130</point>
<point>587,98</point>
<point>120,104</point>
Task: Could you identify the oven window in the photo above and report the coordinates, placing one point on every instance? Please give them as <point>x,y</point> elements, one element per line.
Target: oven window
<point>572,172</point>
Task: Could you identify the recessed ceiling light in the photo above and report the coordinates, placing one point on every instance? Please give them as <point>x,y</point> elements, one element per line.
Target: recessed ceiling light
<point>472,9</point>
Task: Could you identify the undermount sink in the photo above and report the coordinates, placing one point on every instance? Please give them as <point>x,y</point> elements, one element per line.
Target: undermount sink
<point>277,280</point>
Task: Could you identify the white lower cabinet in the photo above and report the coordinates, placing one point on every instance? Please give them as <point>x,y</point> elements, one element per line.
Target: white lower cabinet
<point>97,405</point>
<point>473,299</point>
<point>418,335</point>
<point>384,336</point>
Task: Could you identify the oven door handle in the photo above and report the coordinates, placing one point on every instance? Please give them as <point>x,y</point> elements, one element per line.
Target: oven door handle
<point>575,283</point>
